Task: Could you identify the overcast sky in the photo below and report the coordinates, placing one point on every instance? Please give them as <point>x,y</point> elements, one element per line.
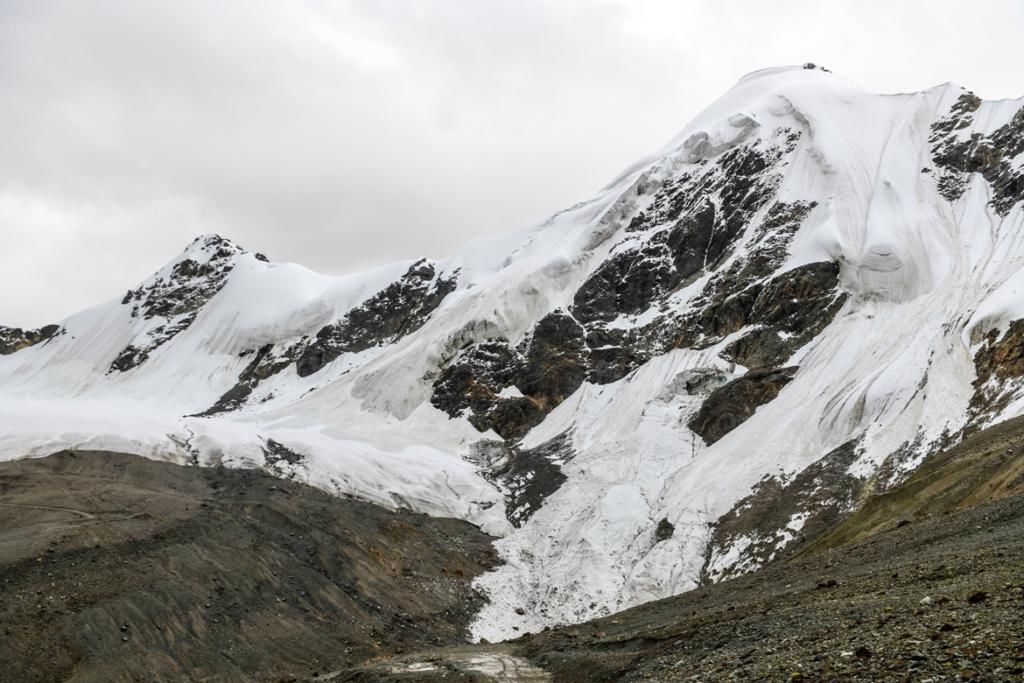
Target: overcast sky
<point>342,135</point>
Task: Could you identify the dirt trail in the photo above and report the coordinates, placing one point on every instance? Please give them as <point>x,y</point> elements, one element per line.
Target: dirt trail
<point>487,663</point>
<point>81,513</point>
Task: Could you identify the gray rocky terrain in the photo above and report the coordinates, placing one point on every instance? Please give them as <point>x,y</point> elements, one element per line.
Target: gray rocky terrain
<point>118,568</point>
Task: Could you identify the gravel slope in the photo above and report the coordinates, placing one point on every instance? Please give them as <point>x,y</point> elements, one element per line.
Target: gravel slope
<point>118,568</point>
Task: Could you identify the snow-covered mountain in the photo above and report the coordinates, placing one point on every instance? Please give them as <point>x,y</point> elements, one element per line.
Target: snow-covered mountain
<point>788,307</point>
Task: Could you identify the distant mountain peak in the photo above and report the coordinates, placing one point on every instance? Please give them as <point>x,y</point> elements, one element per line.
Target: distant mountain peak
<point>211,246</point>
<point>168,301</point>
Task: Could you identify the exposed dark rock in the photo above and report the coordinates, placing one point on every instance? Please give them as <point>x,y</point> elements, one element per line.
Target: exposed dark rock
<point>402,307</point>
<point>819,497</point>
<point>694,242</point>
<point>266,363</point>
<point>15,339</point>
<point>727,407</point>
<point>961,115</point>
<point>614,353</point>
<point>791,310</point>
<point>990,155</point>
<point>474,380</point>
<point>130,357</point>
<point>766,252</point>
<point>275,453</point>
<point>686,233</point>
<point>397,310</point>
<point>947,149</point>
<point>711,320</point>
<point>177,297</point>
<point>999,366</point>
<point>475,377</point>
<point>545,370</point>
<point>630,281</point>
<point>690,227</point>
<point>510,418</point>
<point>555,360</point>
<point>742,294</point>
<point>527,476</point>
<point>664,530</point>
<point>703,381</point>
<point>784,313</point>
<point>683,234</point>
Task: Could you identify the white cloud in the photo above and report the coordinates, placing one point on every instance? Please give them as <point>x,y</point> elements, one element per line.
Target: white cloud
<point>346,134</point>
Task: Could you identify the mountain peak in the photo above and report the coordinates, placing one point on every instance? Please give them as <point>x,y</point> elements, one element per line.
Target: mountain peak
<point>211,245</point>
<point>174,295</point>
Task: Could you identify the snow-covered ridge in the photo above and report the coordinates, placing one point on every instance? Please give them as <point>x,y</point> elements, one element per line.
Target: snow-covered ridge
<point>805,292</point>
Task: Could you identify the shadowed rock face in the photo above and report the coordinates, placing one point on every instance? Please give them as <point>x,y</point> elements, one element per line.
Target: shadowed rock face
<point>614,353</point>
<point>555,360</point>
<point>474,382</point>
<point>14,339</point>
<point>510,418</point>
<point>788,312</point>
<point>176,298</point>
<point>729,406</point>
<point>784,311</point>
<point>686,233</point>
<point>631,281</point>
<point>389,315</point>
<point>476,377</point>
<point>527,476</point>
<point>547,368</point>
<point>990,155</point>
<point>265,364</point>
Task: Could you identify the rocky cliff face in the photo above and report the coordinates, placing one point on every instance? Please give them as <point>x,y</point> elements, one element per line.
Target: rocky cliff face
<point>15,339</point>
<point>170,301</point>
<point>786,309</point>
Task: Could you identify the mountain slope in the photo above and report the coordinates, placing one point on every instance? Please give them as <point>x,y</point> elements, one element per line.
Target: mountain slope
<point>938,598</point>
<point>118,568</point>
<point>787,308</point>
